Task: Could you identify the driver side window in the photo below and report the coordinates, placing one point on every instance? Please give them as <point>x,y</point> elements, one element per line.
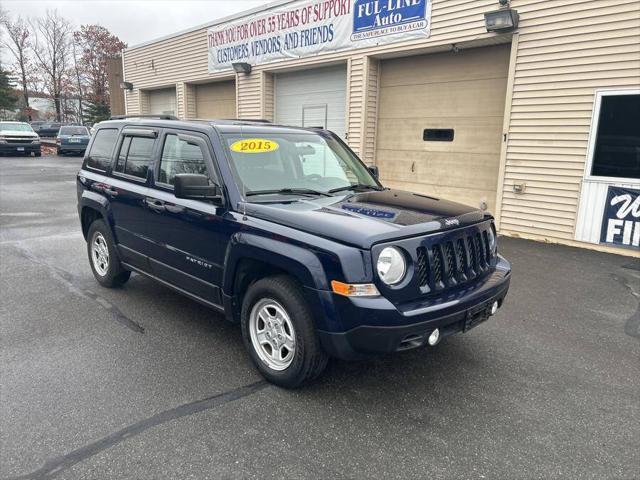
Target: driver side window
<point>179,156</point>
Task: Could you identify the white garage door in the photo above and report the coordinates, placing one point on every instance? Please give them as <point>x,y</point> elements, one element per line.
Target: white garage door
<point>162,102</point>
<point>459,100</point>
<point>216,100</point>
<point>313,98</point>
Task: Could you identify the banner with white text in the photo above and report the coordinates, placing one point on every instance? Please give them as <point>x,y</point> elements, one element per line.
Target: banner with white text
<point>306,28</point>
<point>621,217</point>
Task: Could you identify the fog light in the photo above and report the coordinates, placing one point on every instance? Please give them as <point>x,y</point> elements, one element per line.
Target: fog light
<point>494,308</point>
<point>434,337</point>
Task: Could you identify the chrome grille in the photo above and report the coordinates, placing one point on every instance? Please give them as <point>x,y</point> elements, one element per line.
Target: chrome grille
<point>19,139</point>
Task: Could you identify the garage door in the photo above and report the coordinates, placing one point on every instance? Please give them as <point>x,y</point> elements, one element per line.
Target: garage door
<point>312,98</point>
<point>440,123</point>
<point>216,100</point>
<point>162,102</point>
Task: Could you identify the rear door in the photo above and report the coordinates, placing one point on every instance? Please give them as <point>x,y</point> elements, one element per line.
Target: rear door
<point>187,235</point>
<point>128,190</point>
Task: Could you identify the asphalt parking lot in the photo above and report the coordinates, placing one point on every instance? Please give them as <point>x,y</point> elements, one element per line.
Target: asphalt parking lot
<point>141,382</point>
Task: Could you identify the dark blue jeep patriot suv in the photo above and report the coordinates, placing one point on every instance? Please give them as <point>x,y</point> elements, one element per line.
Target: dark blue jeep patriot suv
<point>288,233</point>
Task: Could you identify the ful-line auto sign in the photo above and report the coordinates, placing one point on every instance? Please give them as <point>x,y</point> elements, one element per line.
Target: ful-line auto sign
<point>305,28</point>
<point>376,18</point>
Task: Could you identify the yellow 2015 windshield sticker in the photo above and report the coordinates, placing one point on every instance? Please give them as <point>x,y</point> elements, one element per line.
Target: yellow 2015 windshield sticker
<point>254,145</point>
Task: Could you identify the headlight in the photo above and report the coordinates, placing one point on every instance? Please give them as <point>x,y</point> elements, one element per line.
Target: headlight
<point>35,140</point>
<point>391,265</point>
<point>493,241</point>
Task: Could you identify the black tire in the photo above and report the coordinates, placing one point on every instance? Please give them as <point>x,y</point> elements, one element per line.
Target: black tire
<point>113,275</point>
<point>59,152</point>
<point>309,360</point>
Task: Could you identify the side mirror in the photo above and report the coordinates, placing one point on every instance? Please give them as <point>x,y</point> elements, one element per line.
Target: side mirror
<point>373,170</point>
<point>195,187</point>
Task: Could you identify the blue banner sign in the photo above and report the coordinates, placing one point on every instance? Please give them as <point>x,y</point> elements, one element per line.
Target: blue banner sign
<point>375,18</point>
<point>621,218</point>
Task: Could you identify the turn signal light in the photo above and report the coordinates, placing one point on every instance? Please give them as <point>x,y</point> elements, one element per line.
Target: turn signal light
<point>354,289</point>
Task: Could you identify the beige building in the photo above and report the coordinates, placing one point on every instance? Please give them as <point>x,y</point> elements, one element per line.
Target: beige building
<point>507,121</point>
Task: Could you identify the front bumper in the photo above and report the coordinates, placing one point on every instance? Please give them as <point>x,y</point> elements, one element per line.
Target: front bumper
<point>16,148</point>
<point>382,327</point>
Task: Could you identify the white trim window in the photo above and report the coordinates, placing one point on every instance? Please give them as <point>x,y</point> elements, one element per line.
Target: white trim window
<point>614,139</point>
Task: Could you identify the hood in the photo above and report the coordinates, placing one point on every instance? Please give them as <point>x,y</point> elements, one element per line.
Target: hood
<point>16,133</point>
<point>363,219</point>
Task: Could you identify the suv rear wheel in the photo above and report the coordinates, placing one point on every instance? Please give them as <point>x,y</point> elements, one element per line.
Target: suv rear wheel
<point>103,256</point>
<point>278,331</point>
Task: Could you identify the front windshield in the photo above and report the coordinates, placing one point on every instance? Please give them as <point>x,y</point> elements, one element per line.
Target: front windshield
<point>301,161</point>
<point>74,131</point>
<point>16,127</point>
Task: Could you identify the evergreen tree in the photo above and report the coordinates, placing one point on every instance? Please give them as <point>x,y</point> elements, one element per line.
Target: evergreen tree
<point>8,97</point>
<point>96,112</point>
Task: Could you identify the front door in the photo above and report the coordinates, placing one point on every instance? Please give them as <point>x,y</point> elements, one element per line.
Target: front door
<point>186,235</point>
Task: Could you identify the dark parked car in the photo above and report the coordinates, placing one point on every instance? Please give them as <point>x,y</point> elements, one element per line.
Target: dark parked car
<point>49,129</point>
<point>18,138</point>
<point>36,124</point>
<point>287,232</point>
<point>72,139</point>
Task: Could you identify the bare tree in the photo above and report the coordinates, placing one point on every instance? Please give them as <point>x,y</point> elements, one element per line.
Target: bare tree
<point>52,51</point>
<point>19,44</point>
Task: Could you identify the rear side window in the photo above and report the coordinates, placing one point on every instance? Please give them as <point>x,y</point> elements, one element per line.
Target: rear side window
<point>99,157</point>
<point>179,156</point>
<point>135,156</point>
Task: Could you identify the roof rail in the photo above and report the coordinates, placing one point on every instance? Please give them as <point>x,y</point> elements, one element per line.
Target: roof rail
<point>157,117</point>
<point>239,120</point>
<point>255,120</point>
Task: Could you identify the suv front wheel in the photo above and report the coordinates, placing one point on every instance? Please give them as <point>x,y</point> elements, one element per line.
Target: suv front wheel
<point>279,333</point>
<point>103,256</point>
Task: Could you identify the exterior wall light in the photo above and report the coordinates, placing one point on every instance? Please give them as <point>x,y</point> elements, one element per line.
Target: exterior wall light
<point>126,85</point>
<point>501,21</point>
<point>242,68</point>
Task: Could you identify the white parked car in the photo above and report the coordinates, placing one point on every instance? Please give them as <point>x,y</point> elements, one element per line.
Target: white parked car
<point>18,138</point>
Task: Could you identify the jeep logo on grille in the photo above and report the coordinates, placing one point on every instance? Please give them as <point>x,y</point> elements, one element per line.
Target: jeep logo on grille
<point>451,222</point>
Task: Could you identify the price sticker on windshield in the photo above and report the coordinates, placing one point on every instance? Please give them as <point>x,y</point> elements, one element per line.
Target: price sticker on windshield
<point>254,145</point>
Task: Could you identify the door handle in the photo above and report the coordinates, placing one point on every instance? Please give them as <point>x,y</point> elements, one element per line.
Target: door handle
<point>155,204</point>
<point>112,192</point>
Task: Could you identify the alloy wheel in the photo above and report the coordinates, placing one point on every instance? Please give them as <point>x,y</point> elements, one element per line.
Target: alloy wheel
<point>272,334</point>
<point>100,254</point>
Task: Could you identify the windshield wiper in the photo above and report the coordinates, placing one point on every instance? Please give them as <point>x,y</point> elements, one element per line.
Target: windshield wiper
<point>288,191</point>
<point>355,186</point>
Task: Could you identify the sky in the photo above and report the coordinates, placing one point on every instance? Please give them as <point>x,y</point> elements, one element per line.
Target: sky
<point>135,21</point>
